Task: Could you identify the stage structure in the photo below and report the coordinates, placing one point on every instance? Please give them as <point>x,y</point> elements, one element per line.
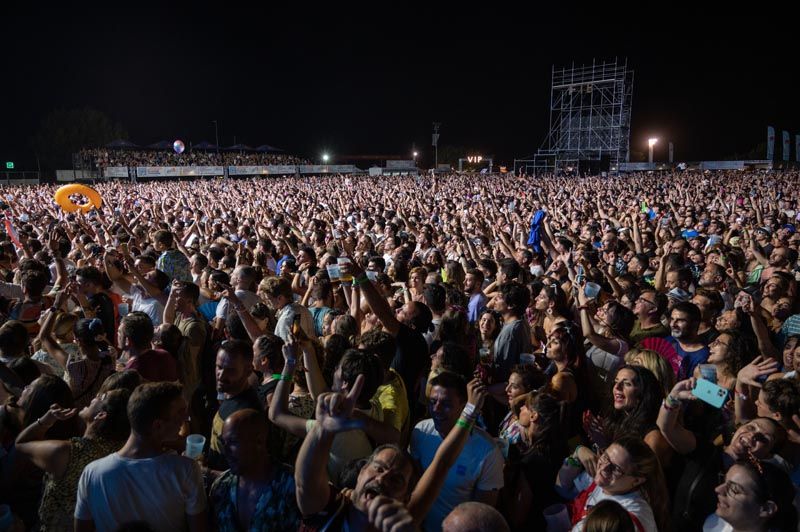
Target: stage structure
<point>590,121</point>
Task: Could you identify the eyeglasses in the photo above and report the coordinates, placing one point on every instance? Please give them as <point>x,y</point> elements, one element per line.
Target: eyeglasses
<point>643,300</point>
<point>718,342</point>
<point>732,489</point>
<point>604,463</point>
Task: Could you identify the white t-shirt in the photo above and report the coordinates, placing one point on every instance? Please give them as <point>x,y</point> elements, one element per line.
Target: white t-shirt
<point>633,502</point>
<point>247,298</point>
<point>142,302</point>
<point>715,523</point>
<point>286,317</point>
<point>479,467</point>
<point>160,491</point>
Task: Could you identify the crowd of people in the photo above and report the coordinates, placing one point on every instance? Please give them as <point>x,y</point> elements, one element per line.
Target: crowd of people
<point>98,158</point>
<point>457,353</point>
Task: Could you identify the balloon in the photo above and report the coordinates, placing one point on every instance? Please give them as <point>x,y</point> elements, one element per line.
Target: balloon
<point>178,146</point>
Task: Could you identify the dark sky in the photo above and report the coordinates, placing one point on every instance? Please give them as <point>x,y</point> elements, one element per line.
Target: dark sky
<point>371,81</point>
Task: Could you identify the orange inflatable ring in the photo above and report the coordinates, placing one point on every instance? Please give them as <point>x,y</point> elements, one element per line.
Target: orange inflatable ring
<point>62,198</point>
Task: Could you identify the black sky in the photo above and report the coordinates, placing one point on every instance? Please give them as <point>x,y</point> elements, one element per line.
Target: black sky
<point>371,80</point>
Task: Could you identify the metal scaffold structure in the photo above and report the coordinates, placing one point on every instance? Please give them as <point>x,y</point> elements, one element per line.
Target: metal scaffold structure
<point>590,121</point>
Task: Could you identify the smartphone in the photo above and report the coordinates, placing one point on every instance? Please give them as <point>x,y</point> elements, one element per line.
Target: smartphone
<point>710,393</point>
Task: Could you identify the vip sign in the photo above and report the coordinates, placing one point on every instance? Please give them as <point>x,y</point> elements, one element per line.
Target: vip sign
<point>474,159</point>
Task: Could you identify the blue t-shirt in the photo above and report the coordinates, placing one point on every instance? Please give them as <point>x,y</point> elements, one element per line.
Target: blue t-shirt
<point>689,359</point>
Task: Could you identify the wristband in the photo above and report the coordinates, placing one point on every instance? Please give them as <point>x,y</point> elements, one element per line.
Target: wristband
<point>742,396</point>
<point>463,423</point>
<point>668,406</point>
<point>671,401</point>
<point>571,461</point>
<point>277,376</point>
<point>469,411</point>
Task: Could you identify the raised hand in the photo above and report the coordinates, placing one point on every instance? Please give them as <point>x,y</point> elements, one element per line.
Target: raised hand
<point>335,410</point>
<point>389,515</point>
<point>683,390</point>
<point>476,393</point>
<point>56,414</point>
<point>759,367</point>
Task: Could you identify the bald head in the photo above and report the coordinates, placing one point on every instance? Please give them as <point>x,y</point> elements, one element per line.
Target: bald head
<point>247,423</point>
<point>474,517</point>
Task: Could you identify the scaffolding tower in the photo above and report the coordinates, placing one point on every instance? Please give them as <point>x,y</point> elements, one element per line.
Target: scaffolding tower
<point>590,121</point>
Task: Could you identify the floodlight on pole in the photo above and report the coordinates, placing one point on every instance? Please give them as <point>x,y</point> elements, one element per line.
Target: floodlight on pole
<point>650,143</point>
<point>325,157</point>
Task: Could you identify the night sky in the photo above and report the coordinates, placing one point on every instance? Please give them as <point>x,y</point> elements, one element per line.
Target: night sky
<point>372,81</point>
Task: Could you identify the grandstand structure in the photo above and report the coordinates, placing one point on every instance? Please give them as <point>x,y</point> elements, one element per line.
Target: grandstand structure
<point>590,121</point>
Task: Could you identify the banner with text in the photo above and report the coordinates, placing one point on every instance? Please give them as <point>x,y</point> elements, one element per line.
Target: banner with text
<point>262,170</point>
<point>116,171</point>
<point>328,169</point>
<point>177,171</point>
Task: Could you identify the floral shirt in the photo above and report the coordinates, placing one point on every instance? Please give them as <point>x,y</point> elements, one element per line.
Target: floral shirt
<point>175,265</point>
<point>276,508</point>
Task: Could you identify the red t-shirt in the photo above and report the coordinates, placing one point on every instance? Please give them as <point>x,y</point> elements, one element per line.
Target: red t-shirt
<point>155,365</point>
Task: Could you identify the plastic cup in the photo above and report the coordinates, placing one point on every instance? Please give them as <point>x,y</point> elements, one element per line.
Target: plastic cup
<point>123,309</point>
<point>345,277</point>
<point>194,445</point>
<point>557,518</point>
<point>591,290</point>
<point>708,372</point>
<point>333,272</point>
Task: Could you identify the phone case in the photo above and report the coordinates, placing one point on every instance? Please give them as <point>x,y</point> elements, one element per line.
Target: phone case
<point>710,393</point>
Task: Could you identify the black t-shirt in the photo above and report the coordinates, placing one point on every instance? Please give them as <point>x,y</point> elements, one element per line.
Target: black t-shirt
<point>410,359</point>
<point>694,498</point>
<point>264,390</point>
<point>246,399</point>
<point>104,311</point>
<point>540,472</point>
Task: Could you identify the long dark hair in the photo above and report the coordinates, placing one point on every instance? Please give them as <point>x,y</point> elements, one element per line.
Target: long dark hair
<point>549,440</point>
<point>642,417</point>
<point>45,391</point>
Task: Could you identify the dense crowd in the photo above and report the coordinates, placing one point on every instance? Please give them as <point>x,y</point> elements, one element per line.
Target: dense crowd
<point>98,158</point>
<point>458,353</point>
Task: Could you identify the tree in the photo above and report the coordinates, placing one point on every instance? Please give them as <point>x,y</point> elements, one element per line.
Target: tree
<point>64,132</point>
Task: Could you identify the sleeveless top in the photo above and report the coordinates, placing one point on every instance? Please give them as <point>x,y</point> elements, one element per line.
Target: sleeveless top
<point>57,510</point>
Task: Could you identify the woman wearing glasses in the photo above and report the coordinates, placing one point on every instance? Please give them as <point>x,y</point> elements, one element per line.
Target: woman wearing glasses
<point>753,496</point>
<point>694,496</point>
<point>608,333</point>
<point>628,473</point>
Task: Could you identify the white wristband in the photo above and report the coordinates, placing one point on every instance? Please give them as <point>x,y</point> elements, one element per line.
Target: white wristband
<point>469,411</point>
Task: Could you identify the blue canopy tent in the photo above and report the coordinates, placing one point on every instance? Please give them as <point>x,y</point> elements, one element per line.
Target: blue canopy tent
<point>162,145</point>
<point>205,145</point>
<point>266,148</point>
<point>122,145</point>
<point>238,147</point>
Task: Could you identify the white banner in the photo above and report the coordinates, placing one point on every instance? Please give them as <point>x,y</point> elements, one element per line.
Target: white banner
<point>274,169</point>
<point>176,171</point>
<point>328,169</point>
<point>116,171</point>
<point>401,165</point>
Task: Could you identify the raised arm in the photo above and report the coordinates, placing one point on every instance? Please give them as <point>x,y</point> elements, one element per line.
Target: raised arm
<point>377,302</point>
<point>678,437</point>
<point>333,415</point>
<point>279,406</point>
<point>427,489</point>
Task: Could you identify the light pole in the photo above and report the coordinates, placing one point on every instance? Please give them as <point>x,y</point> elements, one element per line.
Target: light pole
<point>216,134</point>
<point>650,144</point>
